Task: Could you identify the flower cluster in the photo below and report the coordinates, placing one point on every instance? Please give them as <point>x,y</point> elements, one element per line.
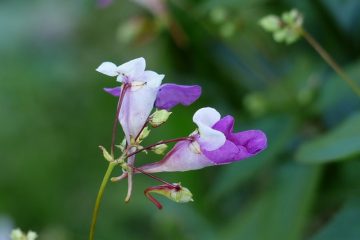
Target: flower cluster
<point>286,28</point>
<point>214,141</point>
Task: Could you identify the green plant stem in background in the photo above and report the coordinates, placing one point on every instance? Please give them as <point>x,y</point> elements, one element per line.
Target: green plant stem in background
<point>329,60</point>
<point>99,198</point>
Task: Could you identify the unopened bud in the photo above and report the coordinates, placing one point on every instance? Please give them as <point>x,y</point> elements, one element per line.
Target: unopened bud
<point>144,133</point>
<point>285,29</point>
<point>17,234</point>
<point>174,192</point>
<point>122,145</point>
<point>182,196</point>
<point>159,117</point>
<point>270,23</point>
<point>106,154</point>
<point>159,149</point>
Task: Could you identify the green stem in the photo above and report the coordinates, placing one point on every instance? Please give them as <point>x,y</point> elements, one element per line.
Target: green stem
<point>99,198</point>
<point>329,60</point>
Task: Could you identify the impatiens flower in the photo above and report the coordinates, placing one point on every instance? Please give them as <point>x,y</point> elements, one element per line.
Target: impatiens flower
<point>145,93</point>
<point>214,144</point>
<point>140,97</point>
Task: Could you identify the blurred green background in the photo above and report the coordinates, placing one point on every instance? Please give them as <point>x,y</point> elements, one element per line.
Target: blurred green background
<point>54,114</point>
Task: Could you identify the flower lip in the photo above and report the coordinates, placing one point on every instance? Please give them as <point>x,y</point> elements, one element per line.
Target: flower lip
<point>238,146</point>
<point>210,139</point>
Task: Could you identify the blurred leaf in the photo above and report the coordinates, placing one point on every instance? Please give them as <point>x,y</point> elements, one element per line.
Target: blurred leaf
<point>279,212</point>
<point>345,225</point>
<point>346,14</point>
<point>338,144</point>
<point>337,99</point>
<point>278,130</point>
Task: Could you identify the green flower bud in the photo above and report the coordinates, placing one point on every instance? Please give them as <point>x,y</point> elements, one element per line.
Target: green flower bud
<point>159,117</point>
<point>270,23</point>
<point>159,149</point>
<point>122,145</point>
<point>17,234</point>
<point>285,29</point>
<point>218,14</point>
<point>106,154</point>
<point>144,134</point>
<point>180,194</point>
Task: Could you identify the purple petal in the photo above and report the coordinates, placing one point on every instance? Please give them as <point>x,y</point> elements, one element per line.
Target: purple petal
<point>181,158</point>
<point>249,142</point>
<point>225,154</point>
<point>171,95</point>
<point>225,125</point>
<point>113,91</point>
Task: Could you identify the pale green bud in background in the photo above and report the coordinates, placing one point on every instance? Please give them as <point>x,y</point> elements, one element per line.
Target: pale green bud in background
<point>218,15</point>
<point>285,29</point>
<point>17,234</point>
<point>159,117</point>
<point>270,23</point>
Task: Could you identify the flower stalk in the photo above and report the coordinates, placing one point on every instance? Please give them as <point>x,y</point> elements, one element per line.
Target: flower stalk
<point>329,60</point>
<point>99,198</point>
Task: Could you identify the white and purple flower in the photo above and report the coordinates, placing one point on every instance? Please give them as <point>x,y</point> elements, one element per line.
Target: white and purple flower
<point>144,93</point>
<point>213,144</point>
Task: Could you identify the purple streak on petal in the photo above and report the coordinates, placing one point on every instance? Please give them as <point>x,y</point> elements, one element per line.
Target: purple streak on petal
<point>225,154</point>
<point>113,91</point>
<point>171,95</point>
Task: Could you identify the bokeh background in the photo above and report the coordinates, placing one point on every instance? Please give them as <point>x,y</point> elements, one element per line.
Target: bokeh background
<point>54,114</point>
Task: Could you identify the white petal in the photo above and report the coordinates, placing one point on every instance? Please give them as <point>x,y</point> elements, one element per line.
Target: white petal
<point>132,70</point>
<point>152,79</point>
<point>108,68</point>
<point>137,106</point>
<point>210,139</point>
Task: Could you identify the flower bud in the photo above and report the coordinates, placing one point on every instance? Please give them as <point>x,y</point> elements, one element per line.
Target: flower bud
<point>106,154</point>
<point>181,196</point>
<point>285,29</point>
<point>174,192</point>
<point>122,145</point>
<point>159,149</point>
<point>144,134</point>
<point>270,23</point>
<point>159,117</point>
<point>17,234</point>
